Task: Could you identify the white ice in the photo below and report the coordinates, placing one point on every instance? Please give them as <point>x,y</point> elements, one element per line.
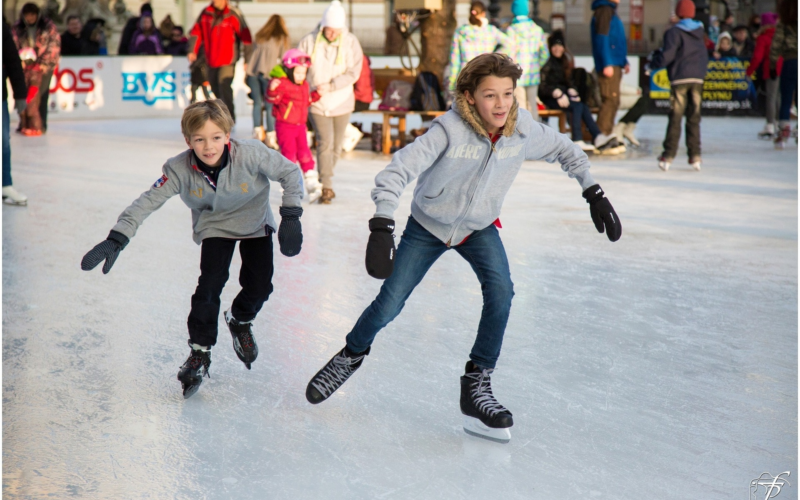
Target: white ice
<point>661,366</point>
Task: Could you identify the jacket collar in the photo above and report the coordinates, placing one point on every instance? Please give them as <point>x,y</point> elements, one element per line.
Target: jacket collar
<point>470,115</point>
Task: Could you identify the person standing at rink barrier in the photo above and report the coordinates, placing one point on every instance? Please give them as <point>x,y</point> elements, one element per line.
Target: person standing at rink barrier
<point>684,55</point>
<point>226,184</point>
<point>12,70</point>
<point>336,60</point>
<point>270,43</point>
<point>473,39</point>
<point>529,49</point>
<point>218,30</point>
<point>465,164</point>
<point>760,67</point>
<point>784,45</point>
<point>610,52</point>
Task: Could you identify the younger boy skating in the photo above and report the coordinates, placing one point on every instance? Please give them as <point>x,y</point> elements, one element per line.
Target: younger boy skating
<point>290,97</point>
<point>465,163</point>
<point>226,184</point>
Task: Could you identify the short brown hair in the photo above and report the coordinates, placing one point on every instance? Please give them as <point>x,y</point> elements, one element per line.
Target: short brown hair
<point>196,115</point>
<point>494,64</point>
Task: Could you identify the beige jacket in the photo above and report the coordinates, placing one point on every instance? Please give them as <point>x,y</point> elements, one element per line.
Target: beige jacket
<point>337,63</point>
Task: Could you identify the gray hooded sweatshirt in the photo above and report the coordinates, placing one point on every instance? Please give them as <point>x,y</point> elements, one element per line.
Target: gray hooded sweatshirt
<point>239,206</point>
<point>463,177</point>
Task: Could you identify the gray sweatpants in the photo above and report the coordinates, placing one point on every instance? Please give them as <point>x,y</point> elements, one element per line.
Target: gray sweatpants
<point>773,99</point>
<point>330,136</point>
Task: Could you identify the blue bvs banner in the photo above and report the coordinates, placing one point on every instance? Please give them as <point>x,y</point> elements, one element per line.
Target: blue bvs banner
<point>726,90</point>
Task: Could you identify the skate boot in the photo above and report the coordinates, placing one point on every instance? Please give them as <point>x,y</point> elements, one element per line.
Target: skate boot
<point>196,366</point>
<point>768,133</point>
<point>586,148</point>
<point>782,136</point>
<point>333,375</point>
<point>628,133</point>
<point>258,133</point>
<point>327,196</point>
<point>608,145</point>
<point>13,197</point>
<point>617,132</point>
<point>243,342</point>
<point>695,162</point>
<point>313,186</point>
<point>664,163</point>
<point>483,416</point>
<point>272,140</point>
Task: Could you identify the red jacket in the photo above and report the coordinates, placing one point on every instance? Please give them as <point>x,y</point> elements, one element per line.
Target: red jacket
<point>219,33</point>
<point>365,84</point>
<point>761,54</point>
<point>290,101</point>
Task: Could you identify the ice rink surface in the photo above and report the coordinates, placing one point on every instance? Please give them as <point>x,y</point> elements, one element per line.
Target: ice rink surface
<point>661,366</point>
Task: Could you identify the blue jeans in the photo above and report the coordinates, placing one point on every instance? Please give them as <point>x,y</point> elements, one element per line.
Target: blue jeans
<point>6,146</point>
<point>788,88</point>
<point>258,89</point>
<point>417,252</point>
<point>578,112</point>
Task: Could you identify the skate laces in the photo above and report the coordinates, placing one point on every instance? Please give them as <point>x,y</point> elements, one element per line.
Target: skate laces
<point>481,392</point>
<point>243,333</point>
<point>335,373</point>
<point>198,358</point>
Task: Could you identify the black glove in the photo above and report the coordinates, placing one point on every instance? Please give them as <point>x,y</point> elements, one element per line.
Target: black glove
<point>603,214</point>
<point>380,248</point>
<point>108,250</point>
<point>290,233</point>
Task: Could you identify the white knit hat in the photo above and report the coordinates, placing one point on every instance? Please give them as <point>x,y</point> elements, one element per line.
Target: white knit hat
<point>334,16</point>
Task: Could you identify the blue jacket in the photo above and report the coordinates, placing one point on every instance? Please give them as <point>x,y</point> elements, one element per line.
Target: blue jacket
<point>684,53</point>
<point>609,46</point>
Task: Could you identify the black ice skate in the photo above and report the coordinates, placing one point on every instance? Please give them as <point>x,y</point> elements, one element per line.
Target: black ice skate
<point>333,375</point>
<point>192,372</point>
<point>243,342</point>
<point>483,416</point>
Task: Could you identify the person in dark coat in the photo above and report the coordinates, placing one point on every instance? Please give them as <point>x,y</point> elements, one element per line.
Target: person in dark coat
<point>12,70</point>
<point>71,41</point>
<point>178,43</point>
<point>130,28</point>
<point>685,56</point>
<point>743,45</point>
<point>94,37</point>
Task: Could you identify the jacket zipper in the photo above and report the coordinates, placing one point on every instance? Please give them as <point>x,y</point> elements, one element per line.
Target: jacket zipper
<point>288,108</point>
<point>472,197</point>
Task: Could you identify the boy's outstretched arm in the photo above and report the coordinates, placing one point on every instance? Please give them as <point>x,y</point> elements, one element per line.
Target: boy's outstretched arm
<point>407,164</point>
<point>547,145</point>
<point>129,221</point>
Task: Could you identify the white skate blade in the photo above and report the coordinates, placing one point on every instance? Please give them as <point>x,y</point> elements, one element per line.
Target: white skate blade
<point>475,427</point>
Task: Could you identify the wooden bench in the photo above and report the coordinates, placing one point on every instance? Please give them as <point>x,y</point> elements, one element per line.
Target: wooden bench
<point>562,118</point>
<point>386,137</point>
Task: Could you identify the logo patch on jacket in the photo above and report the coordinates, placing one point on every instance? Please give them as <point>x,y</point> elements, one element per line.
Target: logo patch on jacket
<point>160,182</point>
<point>465,151</point>
<point>503,153</point>
<point>198,192</point>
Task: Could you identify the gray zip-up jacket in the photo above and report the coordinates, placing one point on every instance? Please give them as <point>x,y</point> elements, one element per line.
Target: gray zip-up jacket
<point>463,178</point>
<point>237,207</point>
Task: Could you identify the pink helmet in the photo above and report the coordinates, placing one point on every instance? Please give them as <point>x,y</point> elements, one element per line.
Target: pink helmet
<point>296,57</point>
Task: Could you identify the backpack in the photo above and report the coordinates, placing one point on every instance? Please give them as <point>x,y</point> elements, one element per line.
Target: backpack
<point>427,94</point>
<point>397,96</point>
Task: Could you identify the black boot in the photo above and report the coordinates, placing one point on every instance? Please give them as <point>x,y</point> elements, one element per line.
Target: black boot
<point>196,366</point>
<point>333,375</point>
<point>485,417</point>
<point>243,341</point>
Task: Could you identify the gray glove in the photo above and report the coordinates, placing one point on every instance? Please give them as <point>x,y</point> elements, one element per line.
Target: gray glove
<point>20,105</point>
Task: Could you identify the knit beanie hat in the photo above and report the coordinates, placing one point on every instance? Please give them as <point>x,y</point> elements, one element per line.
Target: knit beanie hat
<point>769,18</point>
<point>520,8</point>
<point>685,9</point>
<point>334,16</point>
<point>556,38</point>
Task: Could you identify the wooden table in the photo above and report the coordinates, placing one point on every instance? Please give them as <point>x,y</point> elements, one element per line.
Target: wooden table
<point>386,145</point>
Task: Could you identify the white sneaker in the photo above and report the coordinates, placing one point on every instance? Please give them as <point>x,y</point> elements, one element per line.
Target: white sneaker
<point>584,146</point>
<point>13,197</point>
<point>627,132</point>
<point>272,140</point>
<point>258,133</point>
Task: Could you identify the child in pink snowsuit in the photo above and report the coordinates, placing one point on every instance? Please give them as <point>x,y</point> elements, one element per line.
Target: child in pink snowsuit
<point>290,97</point>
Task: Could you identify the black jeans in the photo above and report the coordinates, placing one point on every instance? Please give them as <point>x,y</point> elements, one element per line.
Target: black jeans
<point>221,80</point>
<point>255,278</point>
<point>685,99</point>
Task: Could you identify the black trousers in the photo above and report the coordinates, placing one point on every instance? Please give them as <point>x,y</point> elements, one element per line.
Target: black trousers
<point>255,278</point>
<point>221,80</point>
<point>44,102</point>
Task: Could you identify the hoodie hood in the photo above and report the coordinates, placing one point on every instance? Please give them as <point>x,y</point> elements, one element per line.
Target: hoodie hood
<point>689,26</point>
<point>603,3</point>
<point>470,115</point>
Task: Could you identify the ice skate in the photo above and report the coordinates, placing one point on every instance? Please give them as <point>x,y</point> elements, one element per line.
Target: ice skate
<point>258,133</point>
<point>617,132</point>
<point>13,197</point>
<point>768,133</point>
<point>585,147</point>
<point>243,341</point>
<point>484,417</point>
<point>664,163</point>
<point>628,133</point>
<point>782,135</point>
<point>313,186</point>
<point>695,162</point>
<point>272,140</point>
<point>333,375</point>
<point>327,196</point>
<point>196,366</point>
<point>608,145</point>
